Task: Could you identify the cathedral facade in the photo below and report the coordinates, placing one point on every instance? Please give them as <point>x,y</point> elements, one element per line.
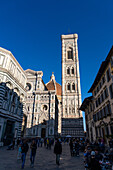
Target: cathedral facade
<point>43,104</point>
<point>72,121</point>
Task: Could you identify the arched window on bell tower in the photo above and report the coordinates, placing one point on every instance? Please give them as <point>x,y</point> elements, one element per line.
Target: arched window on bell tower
<point>70,53</point>
<point>68,87</point>
<point>72,70</point>
<point>73,86</point>
<point>68,70</point>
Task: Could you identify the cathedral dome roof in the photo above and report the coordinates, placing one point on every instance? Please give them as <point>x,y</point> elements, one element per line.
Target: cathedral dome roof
<point>53,85</point>
<point>50,85</point>
<point>58,89</point>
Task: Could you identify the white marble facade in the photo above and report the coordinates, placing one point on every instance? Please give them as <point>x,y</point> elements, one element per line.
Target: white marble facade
<point>45,105</point>
<point>12,96</point>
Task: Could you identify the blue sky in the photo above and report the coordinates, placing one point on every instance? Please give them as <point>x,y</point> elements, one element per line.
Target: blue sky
<point>31,30</point>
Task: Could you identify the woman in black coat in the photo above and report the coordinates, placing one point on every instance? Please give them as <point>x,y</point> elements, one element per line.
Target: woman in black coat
<point>58,151</point>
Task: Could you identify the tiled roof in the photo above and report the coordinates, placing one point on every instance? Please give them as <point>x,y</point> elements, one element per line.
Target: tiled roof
<point>53,85</point>
<point>58,89</point>
<point>50,85</point>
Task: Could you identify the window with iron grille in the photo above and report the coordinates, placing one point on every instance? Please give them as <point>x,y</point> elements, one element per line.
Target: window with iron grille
<point>105,112</point>
<point>106,93</point>
<point>96,103</point>
<point>102,97</point>
<point>99,100</point>
<point>108,109</point>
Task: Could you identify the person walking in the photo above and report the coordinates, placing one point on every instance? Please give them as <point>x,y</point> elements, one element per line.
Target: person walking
<point>47,143</point>
<point>24,151</point>
<point>58,151</point>
<point>93,163</point>
<point>33,152</point>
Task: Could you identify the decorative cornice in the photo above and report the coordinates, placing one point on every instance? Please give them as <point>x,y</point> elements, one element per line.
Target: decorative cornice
<point>33,72</point>
<point>69,36</point>
<point>10,75</point>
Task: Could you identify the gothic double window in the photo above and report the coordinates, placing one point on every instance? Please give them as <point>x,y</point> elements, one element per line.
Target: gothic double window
<point>71,87</point>
<point>70,71</point>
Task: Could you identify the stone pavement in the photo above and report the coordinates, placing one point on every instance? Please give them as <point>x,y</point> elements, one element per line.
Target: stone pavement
<point>45,160</point>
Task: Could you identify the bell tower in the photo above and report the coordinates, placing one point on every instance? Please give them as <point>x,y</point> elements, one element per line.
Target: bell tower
<point>71,91</point>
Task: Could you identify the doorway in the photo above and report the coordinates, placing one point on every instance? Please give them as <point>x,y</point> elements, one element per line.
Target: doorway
<point>43,133</point>
<point>9,132</point>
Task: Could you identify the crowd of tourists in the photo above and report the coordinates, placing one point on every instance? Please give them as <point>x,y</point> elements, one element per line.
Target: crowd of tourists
<point>96,155</point>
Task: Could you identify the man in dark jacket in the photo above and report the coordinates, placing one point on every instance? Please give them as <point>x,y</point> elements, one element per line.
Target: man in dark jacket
<point>24,151</point>
<point>58,151</point>
<point>93,163</point>
<point>33,152</point>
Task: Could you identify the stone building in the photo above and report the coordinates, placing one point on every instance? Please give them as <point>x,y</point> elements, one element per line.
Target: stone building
<point>72,121</point>
<point>87,107</point>
<point>12,97</point>
<point>99,108</point>
<point>43,105</point>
